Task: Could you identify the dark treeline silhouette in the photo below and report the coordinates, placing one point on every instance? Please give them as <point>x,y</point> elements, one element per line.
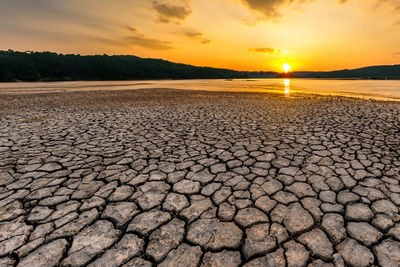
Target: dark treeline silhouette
<point>47,66</point>
<point>372,72</point>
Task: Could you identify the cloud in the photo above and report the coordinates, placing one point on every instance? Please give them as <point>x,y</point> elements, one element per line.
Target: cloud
<point>150,43</point>
<point>396,53</point>
<point>269,50</point>
<point>55,13</point>
<point>132,29</point>
<point>51,35</point>
<point>270,9</point>
<point>252,22</point>
<point>262,50</point>
<point>176,11</point>
<point>395,4</point>
<point>139,39</point>
<point>193,34</point>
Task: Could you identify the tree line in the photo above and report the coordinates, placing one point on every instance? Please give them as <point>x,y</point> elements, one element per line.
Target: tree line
<point>48,66</point>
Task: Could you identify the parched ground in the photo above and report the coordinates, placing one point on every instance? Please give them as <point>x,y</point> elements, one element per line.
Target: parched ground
<point>181,178</point>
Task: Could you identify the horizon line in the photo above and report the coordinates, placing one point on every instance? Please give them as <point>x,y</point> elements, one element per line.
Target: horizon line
<point>251,71</point>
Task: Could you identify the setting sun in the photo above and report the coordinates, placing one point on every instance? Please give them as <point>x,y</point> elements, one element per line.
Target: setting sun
<point>286,67</point>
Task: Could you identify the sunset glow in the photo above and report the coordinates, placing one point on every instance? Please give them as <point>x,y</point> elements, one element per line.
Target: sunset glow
<point>286,83</point>
<point>236,34</point>
<point>286,67</point>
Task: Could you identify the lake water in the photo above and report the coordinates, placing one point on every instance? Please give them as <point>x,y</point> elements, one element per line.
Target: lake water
<point>369,89</point>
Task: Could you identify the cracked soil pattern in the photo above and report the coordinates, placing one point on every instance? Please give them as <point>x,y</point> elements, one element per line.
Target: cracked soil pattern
<point>182,178</point>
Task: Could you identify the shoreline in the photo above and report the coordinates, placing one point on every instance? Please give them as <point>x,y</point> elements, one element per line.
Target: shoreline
<point>228,79</point>
<point>354,89</point>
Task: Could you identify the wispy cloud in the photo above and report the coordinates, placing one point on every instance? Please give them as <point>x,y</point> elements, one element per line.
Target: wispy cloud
<point>55,12</point>
<point>168,12</point>
<point>135,38</point>
<point>192,33</point>
<point>269,50</point>
<point>196,35</point>
<point>150,43</point>
<point>132,29</point>
<point>394,4</point>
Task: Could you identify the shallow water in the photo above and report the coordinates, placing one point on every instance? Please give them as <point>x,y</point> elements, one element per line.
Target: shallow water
<point>369,89</point>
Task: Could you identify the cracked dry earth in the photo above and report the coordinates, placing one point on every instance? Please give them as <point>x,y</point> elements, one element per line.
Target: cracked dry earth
<point>181,178</point>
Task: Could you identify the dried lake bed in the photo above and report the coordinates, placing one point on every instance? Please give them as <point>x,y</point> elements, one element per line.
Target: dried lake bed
<point>198,178</point>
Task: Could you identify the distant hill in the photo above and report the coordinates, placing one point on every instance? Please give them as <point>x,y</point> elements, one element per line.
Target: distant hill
<point>48,66</point>
<point>372,72</point>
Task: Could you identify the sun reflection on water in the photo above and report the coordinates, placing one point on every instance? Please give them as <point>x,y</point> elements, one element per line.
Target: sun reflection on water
<point>286,82</point>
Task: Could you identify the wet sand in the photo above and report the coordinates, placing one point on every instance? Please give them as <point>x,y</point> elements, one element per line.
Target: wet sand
<point>169,177</point>
<point>366,89</point>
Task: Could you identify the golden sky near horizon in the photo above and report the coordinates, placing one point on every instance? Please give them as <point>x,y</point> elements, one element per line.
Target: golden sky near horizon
<point>236,34</point>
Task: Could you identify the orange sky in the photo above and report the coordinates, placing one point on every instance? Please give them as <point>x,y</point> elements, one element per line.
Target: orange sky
<point>236,34</point>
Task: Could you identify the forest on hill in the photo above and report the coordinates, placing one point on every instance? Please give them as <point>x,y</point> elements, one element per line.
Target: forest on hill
<point>371,72</point>
<point>48,66</point>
